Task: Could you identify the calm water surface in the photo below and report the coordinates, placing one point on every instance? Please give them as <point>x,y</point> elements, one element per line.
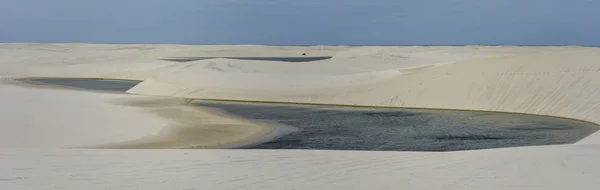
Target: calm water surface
<point>384,129</point>
<point>284,59</point>
<point>89,84</point>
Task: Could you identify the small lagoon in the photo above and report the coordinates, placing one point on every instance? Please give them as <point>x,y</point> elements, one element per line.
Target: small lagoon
<point>87,84</point>
<point>284,59</point>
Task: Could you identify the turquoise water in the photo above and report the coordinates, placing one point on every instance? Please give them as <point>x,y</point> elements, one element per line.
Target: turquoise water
<point>384,129</point>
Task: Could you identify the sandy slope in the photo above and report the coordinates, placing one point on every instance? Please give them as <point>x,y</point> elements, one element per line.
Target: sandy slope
<point>557,81</point>
<point>544,168</point>
<point>35,118</point>
<point>52,118</point>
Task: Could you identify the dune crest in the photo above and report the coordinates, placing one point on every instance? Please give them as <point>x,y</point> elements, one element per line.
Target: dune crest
<point>558,82</point>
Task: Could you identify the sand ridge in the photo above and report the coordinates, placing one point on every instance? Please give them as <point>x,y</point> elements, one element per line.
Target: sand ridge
<point>558,82</point>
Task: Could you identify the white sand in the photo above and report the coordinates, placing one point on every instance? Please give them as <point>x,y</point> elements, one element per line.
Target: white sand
<point>52,118</point>
<point>555,81</point>
<point>121,61</point>
<point>41,118</point>
<point>561,82</point>
<point>544,168</point>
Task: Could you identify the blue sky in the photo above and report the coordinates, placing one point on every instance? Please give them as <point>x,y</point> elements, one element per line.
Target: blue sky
<point>303,22</point>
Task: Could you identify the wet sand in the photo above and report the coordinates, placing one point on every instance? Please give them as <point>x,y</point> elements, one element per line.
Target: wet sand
<point>194,127</point>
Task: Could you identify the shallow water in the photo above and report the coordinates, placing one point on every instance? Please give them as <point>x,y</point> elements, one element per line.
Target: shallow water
<point>88,84</point>
<point>284,59</point>
<point>384,129</point>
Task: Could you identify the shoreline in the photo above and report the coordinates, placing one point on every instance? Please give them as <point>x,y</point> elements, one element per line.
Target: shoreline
<point>197,128</point>
<point>269,131</point>
<point>276,129</point>
<point>194,128</point>
<point>27,81</point>
<point>212,130</point>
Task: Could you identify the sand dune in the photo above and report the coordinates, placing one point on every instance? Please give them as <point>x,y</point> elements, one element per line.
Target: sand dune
<point>54,118</point>
<point>122,61</point>
<point>554,81</point>
<point>45,118</point>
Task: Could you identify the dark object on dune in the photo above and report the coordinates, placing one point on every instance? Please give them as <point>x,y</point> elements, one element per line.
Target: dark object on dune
<point>303,53</point>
